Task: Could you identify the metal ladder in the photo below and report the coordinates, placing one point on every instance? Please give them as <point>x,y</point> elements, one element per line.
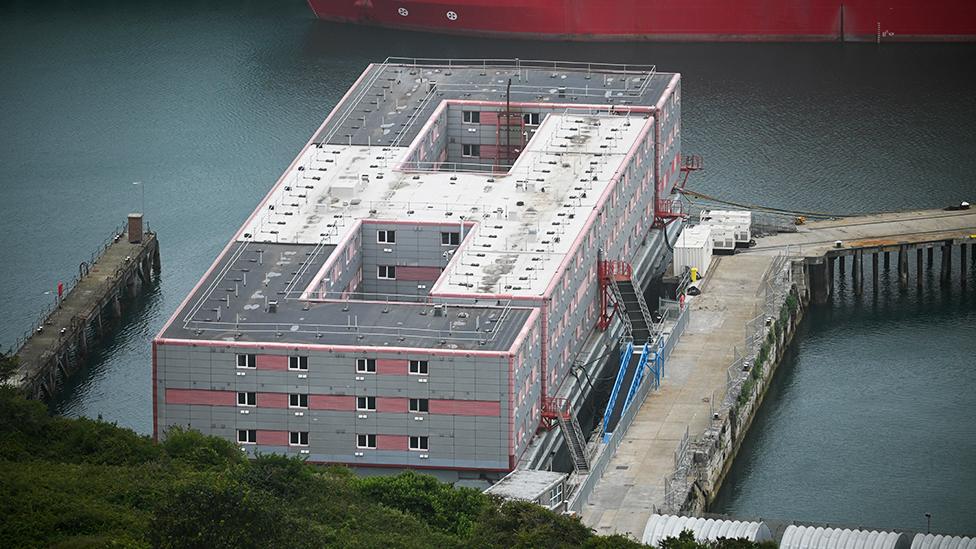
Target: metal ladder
<point>619,302</point>
<point>643,306</point>
<point>574,440</point>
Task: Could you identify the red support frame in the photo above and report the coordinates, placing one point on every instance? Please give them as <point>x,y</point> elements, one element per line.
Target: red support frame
<point>610,270</point>
<point>552,409</point>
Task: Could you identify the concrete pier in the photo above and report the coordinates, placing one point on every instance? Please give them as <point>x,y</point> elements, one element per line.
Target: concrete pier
<point>692,415</point>
<point>899,232</point>
<point>57,346</point>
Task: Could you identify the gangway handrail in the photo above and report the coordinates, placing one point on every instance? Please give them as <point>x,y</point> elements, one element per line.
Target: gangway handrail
<point>638,377</point>
<point>621,373</point>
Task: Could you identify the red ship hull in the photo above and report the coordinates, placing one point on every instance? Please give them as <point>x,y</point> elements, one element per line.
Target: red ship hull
<point>625,20</point>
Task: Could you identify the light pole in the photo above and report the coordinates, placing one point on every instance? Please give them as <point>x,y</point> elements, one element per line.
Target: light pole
<point>143,209</point>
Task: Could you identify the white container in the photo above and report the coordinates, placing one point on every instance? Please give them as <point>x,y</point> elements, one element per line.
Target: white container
<point>740,221</point>
<point>693,249</point>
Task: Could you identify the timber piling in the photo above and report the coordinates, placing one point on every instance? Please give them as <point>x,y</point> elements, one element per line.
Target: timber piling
<point>822,244</point>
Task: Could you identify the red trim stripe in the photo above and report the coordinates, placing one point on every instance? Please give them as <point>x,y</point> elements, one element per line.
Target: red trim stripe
<point>201,396</point>
<point>272,362</point>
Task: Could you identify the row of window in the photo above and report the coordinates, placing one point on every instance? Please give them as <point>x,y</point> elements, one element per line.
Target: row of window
<point>363,365</point>
<point>363,403</point>
<point>250,436</point>
<point>300,438</point>
<point>369,442</point>
<point>294,362</point>
<point>474,117</point>
<point>448,238</point>
<point>414,367</point>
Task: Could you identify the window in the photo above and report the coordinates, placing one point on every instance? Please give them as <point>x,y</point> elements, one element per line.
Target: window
<point>366,441</point>
<point>298,363</point>
<point>366,403</point>
<point>531,118</point>
<point>386,237</point>
<point>470,150</point>
<point>298,438</point>
<point>298,400</point>
<point>418,367</point>
<point>471,117</point>
<point>366,365</point>
<point>247,436</point>
<point>246,361</point>
<point>419,405</point>
<point>386,272</point>
<point>247,399</point>
<point>450,239</point>
<point>418,443</point>
<point>556,495</point>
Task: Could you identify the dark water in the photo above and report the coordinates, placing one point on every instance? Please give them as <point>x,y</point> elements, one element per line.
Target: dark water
<point>207,102</point>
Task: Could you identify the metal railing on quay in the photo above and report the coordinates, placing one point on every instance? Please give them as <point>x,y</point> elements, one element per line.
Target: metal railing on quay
<point>773,288</point>
<point>601,453</point>
<point>45,312</point>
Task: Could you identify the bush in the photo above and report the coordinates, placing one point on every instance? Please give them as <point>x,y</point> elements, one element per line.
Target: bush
<point>519,524</point>
<point>439,505</point>
<point>199,451</point>
<point>746,391</point>
<point>791,303</point>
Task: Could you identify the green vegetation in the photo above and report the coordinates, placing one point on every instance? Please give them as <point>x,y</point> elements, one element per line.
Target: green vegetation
<point>83,483</point>
<point>79,483</point>
<point>8,365</point>
<point>686,540</point>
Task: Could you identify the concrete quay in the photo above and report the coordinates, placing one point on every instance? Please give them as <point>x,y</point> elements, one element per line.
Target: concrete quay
<point>58,344</point>
<point>695,379</point>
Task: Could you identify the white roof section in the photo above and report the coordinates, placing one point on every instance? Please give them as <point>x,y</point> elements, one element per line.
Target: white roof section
<point>513,249</point>
<point>660,527</point>
<point>809,537</point>
<point>526,484</point>
<point>933,541</point>
<point>694,236</point>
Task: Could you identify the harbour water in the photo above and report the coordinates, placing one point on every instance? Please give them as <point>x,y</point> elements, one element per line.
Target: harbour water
<point>870,421</point>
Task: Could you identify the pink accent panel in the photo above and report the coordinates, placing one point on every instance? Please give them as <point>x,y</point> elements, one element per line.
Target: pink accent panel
<point>273,438</point>
<point>466,407</point>
<point>392,404</point>
<point>272,400</point>
<point>392,442</point>
<point>490,151</point>
<point>201,396</point>
<point>272,362</point>
<point>417,273</point>
<point>489,118</point>
<point>390,367</point>
<point>331,402</point>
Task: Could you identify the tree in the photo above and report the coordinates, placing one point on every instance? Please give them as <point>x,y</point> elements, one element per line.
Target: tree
<point>9,363</point>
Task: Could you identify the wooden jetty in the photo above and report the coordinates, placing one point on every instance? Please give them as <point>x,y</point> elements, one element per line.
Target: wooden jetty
<point>57,346</point>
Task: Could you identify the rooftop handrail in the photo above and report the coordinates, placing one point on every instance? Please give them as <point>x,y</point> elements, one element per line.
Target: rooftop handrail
<point>519,63</point>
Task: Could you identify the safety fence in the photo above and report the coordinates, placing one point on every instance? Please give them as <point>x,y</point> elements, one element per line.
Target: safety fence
<point>773,289</point>
<point>602,451</point>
